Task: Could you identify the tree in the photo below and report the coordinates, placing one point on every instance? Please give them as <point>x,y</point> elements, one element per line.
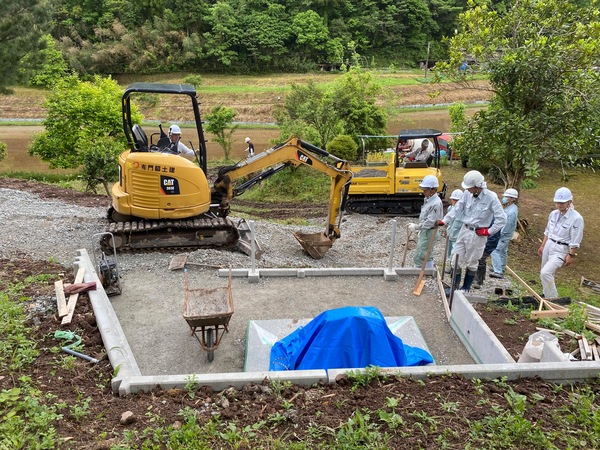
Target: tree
<point>309,114</point>
<point>46,66</point>
<point>220,123</point>
<point>2,150</point>
<point>354,99</point>
<point>349,107</point>
<point>540,58</point>
<point>83,128</point>
<point>22,23</point>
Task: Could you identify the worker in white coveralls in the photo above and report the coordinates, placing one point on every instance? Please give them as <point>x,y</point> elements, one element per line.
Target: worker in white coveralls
<point>454,227</point>
<point>431,212</point>
<point>176,146</point>
<point>422,152</point>
<point>509,200</point>
<point>476,209</point>
<point>562,238</point>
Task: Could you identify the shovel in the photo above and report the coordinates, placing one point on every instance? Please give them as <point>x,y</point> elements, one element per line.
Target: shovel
<point>420,281</point>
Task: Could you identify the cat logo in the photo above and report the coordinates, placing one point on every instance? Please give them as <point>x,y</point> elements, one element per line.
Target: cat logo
<point>169,185</point>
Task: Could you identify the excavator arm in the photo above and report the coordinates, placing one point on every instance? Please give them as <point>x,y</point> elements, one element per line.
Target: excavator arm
<point>293,152</point>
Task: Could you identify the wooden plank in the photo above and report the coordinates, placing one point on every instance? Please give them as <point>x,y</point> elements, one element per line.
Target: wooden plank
<point>73,298</point>
<point>61,302</point>
<point>554,306</point>
<point>549,313</point>
<point>597,340</point>
<point>592,327</point>
<point>582,353</point>
<point>525,285</point>
<point>586,348</point>
<point>595,353</point>
<point>444,298</point>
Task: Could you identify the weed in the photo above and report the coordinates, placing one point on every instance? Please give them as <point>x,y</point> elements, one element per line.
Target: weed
<point>501,382</point>
<point>359,433</point>
<point>279,387</point>
<point>66,363</point>
<point>392,419</point>
<point>17,351</point>
<point>287,405</point>
<point>424,419</point>
<point>478,385</point>
<point>363,377</point>
<point>510,321</point>
<point>81,410</point>
<point>191,385</point>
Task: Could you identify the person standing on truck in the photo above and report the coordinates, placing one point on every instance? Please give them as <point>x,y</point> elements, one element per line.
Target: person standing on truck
<point>476,209</point>
<point>422,152</point>
<point>431,212</point>
<point>250,148</point>
<point>176,146</point>
<point>509,200</point>
<point>562,238</point>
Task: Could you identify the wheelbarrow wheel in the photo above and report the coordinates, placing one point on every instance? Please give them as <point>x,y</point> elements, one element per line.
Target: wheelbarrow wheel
<point>210,342</point>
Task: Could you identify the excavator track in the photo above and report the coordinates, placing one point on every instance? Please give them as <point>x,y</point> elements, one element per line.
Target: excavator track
<point>193,233</point>
<point>385,205</point>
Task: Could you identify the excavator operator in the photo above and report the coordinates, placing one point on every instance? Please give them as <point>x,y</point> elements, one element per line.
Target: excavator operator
<point>176,146</point>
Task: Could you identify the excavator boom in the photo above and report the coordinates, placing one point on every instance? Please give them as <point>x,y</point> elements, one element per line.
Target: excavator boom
<point>293,152</point>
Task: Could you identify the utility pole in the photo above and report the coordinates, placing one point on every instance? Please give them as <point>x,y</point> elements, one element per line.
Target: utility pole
<point>427,59</point>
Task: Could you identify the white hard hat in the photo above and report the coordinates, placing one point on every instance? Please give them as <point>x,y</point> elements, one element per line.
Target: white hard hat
<point>456,194</point>
<point>174,129</point>
<point>562,195</point>
<point>247,139</point>
<point>429,181</point>
<point>511,193</point>
<point>473,178</point>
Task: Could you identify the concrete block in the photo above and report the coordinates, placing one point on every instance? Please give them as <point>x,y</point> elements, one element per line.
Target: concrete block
<point>218,381</point>
<point>476,336</point>
<point>390,275</point>
<point>119,353</point>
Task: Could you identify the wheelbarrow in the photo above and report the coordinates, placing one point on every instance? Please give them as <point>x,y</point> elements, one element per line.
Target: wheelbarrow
<point>207,313</point>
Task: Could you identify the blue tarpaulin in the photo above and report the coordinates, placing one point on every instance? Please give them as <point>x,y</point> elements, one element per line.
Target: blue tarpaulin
<point>349,337</point>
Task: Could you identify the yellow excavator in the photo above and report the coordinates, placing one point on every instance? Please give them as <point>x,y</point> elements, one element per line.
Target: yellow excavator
<point>163,200</point>
<point>387,182</point>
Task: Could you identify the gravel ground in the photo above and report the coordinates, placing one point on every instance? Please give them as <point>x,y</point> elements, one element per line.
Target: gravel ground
<point>150,308</point>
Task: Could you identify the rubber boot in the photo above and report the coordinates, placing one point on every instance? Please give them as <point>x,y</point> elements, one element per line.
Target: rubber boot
<point>469,277</point>
<point>479,277</point>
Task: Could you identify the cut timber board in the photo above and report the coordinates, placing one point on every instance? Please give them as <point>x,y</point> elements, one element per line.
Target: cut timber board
<point>73,298</point>
<point>61,301</point>
<point>549,309</point>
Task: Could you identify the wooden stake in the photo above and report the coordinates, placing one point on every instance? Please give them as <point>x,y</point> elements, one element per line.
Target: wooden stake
<point>73,298</point>
<point>531,291</point>
<point>420,280</point>
<point>61,302</point>
<point>406,245</point>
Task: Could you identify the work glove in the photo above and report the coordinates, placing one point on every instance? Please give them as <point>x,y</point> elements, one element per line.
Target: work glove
<point>412,227</point>
<point>482,231</point>
<point>440,223</point>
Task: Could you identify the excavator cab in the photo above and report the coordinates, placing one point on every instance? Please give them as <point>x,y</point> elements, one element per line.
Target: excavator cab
<point>388,184</point>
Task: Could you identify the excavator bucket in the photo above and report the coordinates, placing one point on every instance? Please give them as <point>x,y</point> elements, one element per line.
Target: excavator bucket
<point>315,244</point>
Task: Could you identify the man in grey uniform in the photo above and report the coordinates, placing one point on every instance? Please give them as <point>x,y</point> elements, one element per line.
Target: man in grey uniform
<point>476,209</point>
<point>431,212</point>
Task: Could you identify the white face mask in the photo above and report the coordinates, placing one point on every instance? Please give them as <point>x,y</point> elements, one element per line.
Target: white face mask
<point>504,200</point>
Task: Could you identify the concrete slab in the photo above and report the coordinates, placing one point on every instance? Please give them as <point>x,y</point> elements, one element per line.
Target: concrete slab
<point>263,334</point>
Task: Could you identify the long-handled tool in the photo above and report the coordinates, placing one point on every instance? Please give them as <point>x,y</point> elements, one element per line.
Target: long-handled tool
<point>445,256</point>
<point>420,280</point>
<point>406,245</point>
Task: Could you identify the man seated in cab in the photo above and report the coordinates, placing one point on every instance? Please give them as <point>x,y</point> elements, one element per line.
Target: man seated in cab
<point>421,153</point>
